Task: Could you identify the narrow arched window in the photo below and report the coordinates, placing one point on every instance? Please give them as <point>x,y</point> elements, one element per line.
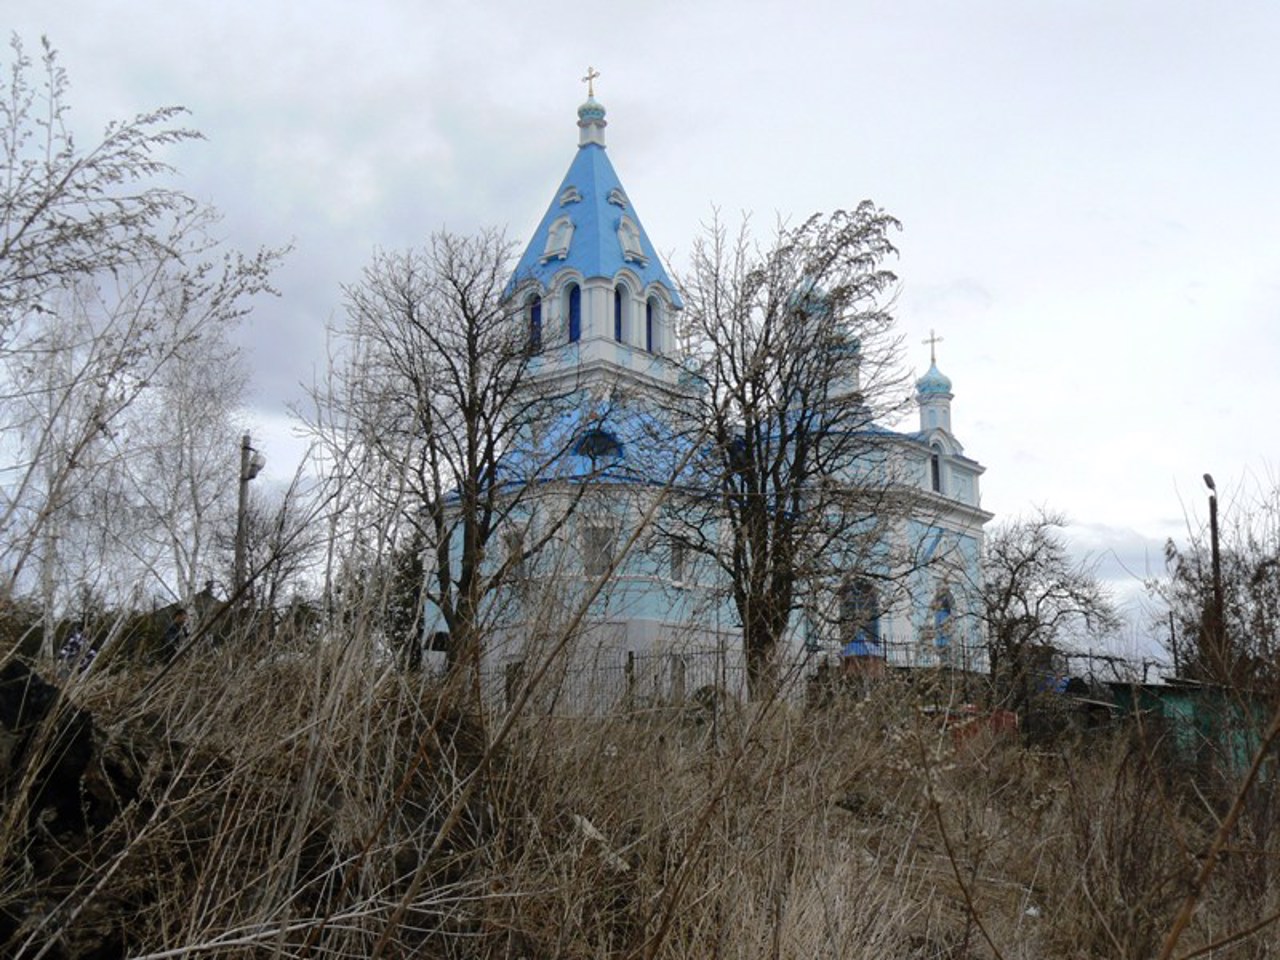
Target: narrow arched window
<point>859,617</point>
<point>534,319</point>
<point>650,320</point>
<point>575,312</point>
<point>597,549</point>
<point>935,470</point>
<point>943,620</point>
<point>617,313</point>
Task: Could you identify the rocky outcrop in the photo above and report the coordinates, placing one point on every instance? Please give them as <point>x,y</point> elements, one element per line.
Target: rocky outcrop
<point>61,793</point>
<point>114,835</point>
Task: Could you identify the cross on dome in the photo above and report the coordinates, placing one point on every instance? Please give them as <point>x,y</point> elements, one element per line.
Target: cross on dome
<point>589,80</point>
<point>931,340</point>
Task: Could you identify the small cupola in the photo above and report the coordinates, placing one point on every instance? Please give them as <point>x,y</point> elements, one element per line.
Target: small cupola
<point>933,393</point>
<point>933,383</point>
<point>591,121</point>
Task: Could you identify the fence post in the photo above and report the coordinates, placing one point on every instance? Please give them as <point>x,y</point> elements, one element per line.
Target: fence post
<point>630,674</point>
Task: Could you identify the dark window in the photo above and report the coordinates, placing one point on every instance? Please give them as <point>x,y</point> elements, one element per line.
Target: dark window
<point>677,561</point>
<point>512,681</point>
<point>514,541</point>
<point>598,444</point>
<point>649,313</point>
<point>860,614</point>
<point>739,459</point>
<point>535,325</point>
<point>597,550</point>
<point>617,314</point>
<point>935,471</point>
<point>575,313</point>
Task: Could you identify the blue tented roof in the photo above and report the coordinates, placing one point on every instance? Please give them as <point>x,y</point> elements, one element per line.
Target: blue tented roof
<point>592,197</point>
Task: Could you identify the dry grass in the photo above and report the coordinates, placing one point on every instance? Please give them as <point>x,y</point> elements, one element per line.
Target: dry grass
<point>317,804</point>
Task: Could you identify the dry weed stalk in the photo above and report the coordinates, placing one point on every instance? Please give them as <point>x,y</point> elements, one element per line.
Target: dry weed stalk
<point>310,800</point>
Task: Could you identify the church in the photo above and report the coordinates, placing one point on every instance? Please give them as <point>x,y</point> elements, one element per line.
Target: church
<point>651,623</point>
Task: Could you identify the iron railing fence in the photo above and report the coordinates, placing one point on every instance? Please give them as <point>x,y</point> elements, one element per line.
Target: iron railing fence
<point>610,680</point>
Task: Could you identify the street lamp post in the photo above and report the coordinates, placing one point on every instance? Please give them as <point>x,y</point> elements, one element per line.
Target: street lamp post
<point>251,464</point>
<point>1218,634</point>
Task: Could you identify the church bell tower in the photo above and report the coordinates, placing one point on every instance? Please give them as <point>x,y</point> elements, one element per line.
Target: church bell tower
<point>598,304</point>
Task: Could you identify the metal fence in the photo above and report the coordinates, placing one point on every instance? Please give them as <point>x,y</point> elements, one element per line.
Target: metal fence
<point>610,680</point>
<point>628,682</point>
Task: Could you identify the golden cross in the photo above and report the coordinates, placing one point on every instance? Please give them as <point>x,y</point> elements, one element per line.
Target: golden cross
<point>589,80</point>
<point>932,339</point>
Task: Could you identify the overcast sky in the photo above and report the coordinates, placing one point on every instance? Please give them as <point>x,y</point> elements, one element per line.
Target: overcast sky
<point>1088,189</point>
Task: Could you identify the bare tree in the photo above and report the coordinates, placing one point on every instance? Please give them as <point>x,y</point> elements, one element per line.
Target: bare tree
<point>1250,581</point>
<point>107,278</point>
<point>282,544</point>
<point>182,460</point>
<point>793,359</point>
<point>1036,596</point>
<point>436,418</point>
<point>68,212</point>
<point>154,497</point>
<point>101,347</point>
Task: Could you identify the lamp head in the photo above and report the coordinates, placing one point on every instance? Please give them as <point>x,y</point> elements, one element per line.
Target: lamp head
<point>256,462</point>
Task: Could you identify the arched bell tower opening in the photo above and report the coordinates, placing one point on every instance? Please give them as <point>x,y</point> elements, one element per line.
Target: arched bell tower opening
<point>573,311</point>
<point>533,324</point>
<point>652,313</point>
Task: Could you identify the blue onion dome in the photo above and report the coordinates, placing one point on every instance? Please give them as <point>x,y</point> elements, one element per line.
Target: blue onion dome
<point>593,109</point>
<point>689,378</point>
<point>848,345</point>
<point>933,382</point>
<point>809,299</point>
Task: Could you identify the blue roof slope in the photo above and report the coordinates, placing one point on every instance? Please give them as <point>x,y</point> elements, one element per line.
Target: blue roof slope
<point>860,646</point>
<point>645,452</point>
<point>594,249</point>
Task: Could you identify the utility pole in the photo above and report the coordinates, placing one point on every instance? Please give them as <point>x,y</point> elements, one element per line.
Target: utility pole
<point>1221,659</point>
<point>251,464</point>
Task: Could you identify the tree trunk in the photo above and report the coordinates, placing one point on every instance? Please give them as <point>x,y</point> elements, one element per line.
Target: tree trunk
<point>762,666</point>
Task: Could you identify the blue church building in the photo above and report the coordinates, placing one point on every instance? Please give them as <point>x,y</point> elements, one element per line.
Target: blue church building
<point>602,317</point>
